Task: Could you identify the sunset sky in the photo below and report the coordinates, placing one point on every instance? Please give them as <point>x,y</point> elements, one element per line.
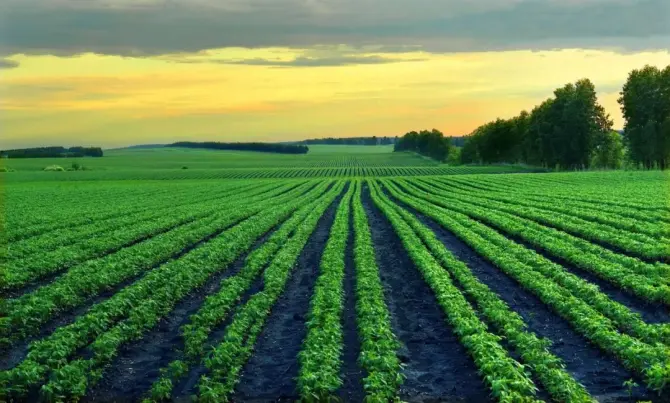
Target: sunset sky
<point>119,72</point>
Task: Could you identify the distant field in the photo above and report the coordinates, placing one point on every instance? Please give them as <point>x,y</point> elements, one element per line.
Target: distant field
<point>363,282</point>
<point>176,158</point>
<point>169,163</point>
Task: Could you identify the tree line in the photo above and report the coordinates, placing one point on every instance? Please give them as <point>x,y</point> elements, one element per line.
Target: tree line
<point>571,130</point>
<point>352,141</point>
<point>52,152</point>
<point>261,147</point>
<point>431,144</point>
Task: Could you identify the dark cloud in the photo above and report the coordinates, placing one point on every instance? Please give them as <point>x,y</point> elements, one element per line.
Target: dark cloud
<point>304,61</point>
<point>66,27</point>
<point>8,64</point>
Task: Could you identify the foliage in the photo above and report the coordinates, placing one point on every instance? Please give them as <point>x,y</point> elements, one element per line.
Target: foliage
<point>431,143</point>
<point>362,141</point>
<point>609,151</point>
<point>110,268</point>
<point>261,147</point>
<point>52,152</point>
<point>454,157</point>
<point>564,132</point>
<point>645,104</point>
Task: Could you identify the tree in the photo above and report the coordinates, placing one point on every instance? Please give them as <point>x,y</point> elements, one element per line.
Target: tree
<point>609,151</point>
<point>470,150</point>
<point>645,105</point>
<point>578,120</point>
<point>432,144</point>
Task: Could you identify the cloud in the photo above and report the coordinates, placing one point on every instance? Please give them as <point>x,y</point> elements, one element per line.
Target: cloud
<point>151,27</point>
<point>303,61</point>
<point>8,64</point>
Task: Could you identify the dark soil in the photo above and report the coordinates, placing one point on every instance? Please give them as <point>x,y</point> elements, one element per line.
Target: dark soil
<point>270,374</point>
<point>137,366</point>
<point>352,373</point>
<point>601,375</point>
<point>187,386</point>
<point>437,366</point>
<point>650,312</point>
<point>17,352</point>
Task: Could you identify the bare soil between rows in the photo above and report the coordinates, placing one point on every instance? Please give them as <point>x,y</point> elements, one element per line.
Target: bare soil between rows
<point>437,367</point>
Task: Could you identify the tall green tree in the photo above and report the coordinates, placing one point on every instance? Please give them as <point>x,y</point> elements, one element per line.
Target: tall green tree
<point>578,120</point>
<point>431,143</point>
<point>645,105</point>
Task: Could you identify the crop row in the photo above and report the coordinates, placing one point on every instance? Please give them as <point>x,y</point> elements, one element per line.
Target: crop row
<point>534,351</point>
<point>648,360</point>
<point>24,315</point>
<point>632,242</point>
<point>106,228</point>
<point>28,222</point>
<point>648,281</point>
<point>218,306</point>
<point>320,359</point>
<point>226,360</point>
<point>623,317</point>
<point>379,346</point>
<point>506,378</point>
<point>23,271</point>
<point>131,312</point>
<point>615,220</point>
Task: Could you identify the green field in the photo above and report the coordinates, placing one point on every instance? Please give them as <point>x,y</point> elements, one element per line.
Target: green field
<point>358,274</point>
<point>183,163</point>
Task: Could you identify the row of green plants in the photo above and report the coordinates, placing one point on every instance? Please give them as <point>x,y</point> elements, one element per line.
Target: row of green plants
<point>226,360</point>
<point>321,356</point>
<point>109,228</point>
<point>24,315</point>
<point>94,204</point>
<point>218,306</point>
<point>506,377</point>
<point>636,190</point>
<point>534,351</point>
<point>648,281</point>
<point>648,360</point>
<point>134,310</point>
<point>625,320</point>
<point>24,271</point>
<point>634,243</point>
<point>379,346</point>
<point>614,220</point>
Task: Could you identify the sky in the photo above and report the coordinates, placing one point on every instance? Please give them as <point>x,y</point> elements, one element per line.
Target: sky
<point>113,73</point>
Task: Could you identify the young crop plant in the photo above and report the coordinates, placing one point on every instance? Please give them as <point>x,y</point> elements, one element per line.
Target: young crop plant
<point>133,311</point>
<point>506,378</point>
<point>379,346</point>
<point>649,360</point>
<point>227,359</point>
<point>534,351</point>
<point>320,359</point>
<point>217,307</point>
<point>647,281</point>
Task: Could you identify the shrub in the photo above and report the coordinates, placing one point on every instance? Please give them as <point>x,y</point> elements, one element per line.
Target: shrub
<point>54,168</point>
<point>6,169</point>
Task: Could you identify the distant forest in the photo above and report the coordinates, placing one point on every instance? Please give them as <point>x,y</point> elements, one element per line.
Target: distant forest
<point>261,147</point>
<point>52,152</point>
<point>351,141</point>
<point>370,141</point>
